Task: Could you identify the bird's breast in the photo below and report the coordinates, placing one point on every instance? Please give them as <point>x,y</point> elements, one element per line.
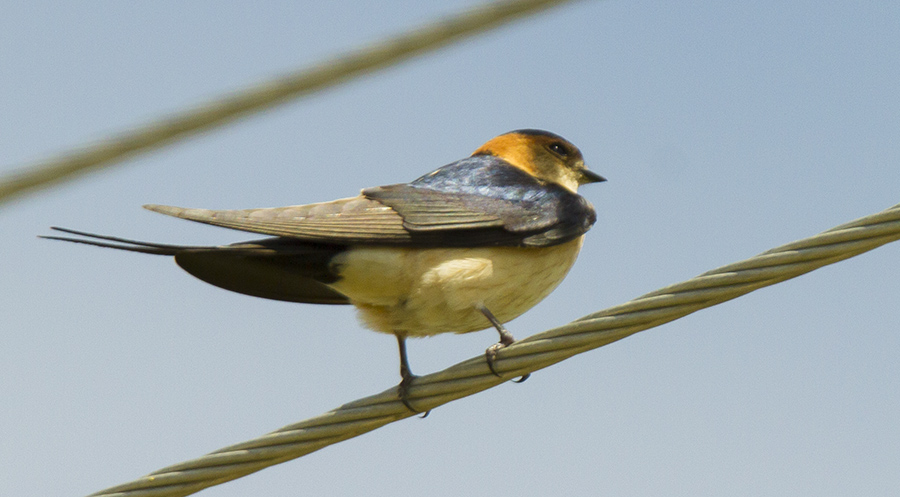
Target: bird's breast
<point>426,291</point>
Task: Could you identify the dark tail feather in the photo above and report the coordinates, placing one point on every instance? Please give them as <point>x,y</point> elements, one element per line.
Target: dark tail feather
<point>121,243</point>
<point>273,268</point>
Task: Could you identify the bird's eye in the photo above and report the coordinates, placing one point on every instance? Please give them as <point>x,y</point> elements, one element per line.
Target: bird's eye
<point>559,149</point>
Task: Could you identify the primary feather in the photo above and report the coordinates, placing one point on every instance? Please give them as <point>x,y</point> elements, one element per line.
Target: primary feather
<point>476,202</point>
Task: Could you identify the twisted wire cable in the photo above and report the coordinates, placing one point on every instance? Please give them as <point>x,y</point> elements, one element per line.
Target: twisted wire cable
<point>525,356</point>
<point>227,108</point>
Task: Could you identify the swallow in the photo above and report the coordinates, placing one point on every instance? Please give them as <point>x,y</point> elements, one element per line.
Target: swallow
<point>468,246</point>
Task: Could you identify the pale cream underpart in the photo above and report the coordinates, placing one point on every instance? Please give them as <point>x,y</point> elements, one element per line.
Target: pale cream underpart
<point>421,292</point>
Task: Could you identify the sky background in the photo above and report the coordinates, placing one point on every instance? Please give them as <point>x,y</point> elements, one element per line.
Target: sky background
<point>725,129</point>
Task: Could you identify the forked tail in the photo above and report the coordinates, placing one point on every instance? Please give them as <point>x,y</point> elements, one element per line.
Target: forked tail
<point>121,243</point>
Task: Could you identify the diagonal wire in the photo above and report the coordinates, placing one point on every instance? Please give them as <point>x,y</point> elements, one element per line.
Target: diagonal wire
<point>525,356</point>
<point>227,108</point>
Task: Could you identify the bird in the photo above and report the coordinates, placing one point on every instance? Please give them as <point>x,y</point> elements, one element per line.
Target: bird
<point>468,246</point>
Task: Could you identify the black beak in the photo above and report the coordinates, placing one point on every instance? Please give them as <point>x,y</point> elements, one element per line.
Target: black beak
<point>591,177</point>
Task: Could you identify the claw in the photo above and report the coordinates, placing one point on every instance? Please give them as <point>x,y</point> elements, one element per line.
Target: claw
<point>506,338</point>
<point>403,393</point>
<point>490,355</point>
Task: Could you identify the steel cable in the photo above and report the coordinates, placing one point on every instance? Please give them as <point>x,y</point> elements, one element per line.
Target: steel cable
<point>227,108</point>
<point>525,356</point>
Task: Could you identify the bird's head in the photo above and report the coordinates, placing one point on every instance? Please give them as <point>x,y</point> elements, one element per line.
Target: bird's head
<point>544,155</point>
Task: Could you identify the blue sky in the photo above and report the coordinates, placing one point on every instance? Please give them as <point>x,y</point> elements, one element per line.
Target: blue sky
<point>725,129</point>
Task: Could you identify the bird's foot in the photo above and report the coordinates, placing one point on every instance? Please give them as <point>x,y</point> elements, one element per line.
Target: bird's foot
<point>403,394</point>
<point>506,339</point>
<point>491,355</point>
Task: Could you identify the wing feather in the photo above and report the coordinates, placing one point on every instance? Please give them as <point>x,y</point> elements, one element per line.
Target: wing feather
<point>523,213</point>
<point>345,221</point>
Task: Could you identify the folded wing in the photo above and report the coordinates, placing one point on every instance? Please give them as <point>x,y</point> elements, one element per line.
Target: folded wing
<point>404,215</point>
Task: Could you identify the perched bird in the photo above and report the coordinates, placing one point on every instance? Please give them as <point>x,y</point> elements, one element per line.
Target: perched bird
<point>468,246</point>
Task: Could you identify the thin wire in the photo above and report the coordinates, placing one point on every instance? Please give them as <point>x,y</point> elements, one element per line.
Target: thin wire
<point>522,357</point>
<point>227,108</point>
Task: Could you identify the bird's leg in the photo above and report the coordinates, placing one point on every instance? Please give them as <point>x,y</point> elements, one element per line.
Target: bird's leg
<point>506,338</point>
<point>406,376</point>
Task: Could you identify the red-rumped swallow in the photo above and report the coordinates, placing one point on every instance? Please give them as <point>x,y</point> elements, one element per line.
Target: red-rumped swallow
<point>471,245</point>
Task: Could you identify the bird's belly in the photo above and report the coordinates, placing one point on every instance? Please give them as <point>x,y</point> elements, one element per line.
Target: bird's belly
<point>420,292</point>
